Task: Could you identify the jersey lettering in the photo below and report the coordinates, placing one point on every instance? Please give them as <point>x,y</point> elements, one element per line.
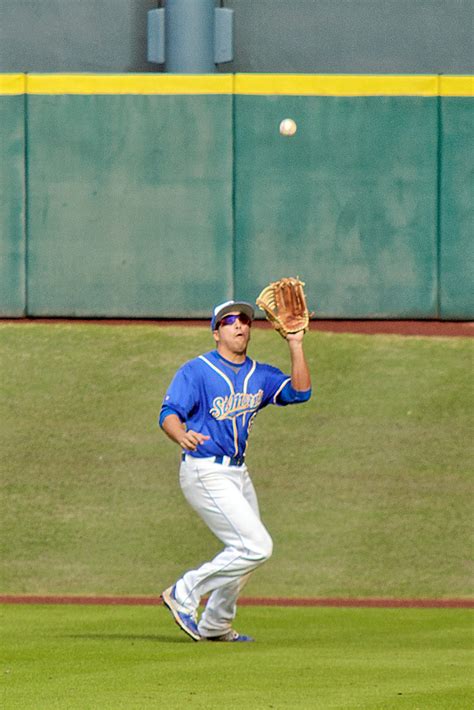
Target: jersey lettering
<point>235,405</point>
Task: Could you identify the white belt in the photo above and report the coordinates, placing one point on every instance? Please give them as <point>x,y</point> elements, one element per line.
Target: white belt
<point>224,460</point>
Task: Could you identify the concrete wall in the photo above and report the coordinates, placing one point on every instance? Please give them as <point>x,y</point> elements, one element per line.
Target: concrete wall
<point>313,36</point>
<point>354,36</point>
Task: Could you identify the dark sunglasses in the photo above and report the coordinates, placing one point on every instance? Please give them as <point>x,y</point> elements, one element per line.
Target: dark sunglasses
<point>230,320</point>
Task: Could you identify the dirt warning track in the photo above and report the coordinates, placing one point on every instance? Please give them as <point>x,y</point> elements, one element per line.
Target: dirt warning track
<point>433,328</point>
<point>367,602</point>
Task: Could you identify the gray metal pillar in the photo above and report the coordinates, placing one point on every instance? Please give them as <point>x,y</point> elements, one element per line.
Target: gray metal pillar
<point>189,30</point>
<point>190,36</point>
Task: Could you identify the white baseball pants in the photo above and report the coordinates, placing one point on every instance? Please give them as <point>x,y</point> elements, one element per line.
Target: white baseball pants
<point>225,499</point>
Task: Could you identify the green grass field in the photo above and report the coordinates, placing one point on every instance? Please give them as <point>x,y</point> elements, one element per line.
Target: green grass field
<point>366,491</point>
<point>127,658</point>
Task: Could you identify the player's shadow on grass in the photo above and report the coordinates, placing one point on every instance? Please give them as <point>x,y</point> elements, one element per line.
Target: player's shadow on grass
<point>128,637</point>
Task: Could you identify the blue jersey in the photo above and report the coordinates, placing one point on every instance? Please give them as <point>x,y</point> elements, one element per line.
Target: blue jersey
<point>220,399</point>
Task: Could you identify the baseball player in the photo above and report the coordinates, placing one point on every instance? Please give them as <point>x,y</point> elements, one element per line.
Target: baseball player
<point>208,411</point>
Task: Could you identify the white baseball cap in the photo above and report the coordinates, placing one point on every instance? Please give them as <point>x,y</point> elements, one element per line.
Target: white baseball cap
<point>230,307</point>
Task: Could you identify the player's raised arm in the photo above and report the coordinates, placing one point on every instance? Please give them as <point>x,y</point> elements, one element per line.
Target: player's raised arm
<point>300,374</point>
<point>284,305</point>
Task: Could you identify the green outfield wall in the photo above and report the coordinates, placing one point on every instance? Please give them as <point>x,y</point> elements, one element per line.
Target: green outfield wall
<point>130,201</point>
<point>350,202</point>
<point>160,195</point>
<point>12,195</point>
<point>456,208</point>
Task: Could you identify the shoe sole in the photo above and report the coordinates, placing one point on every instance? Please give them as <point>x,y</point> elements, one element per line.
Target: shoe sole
<point>218,639</point>
<point>169,604</point>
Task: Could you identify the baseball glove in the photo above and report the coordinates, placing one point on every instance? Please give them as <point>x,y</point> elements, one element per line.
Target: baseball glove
<point>285,307</point>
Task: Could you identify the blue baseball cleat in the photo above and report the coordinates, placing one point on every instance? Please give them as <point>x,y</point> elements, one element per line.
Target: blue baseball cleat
<point>186,621</point>
<point>231,635</point>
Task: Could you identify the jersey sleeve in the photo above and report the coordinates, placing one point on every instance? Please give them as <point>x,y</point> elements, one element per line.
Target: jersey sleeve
<point>288,395</point>
<point>181,395</point>
<point>275,381</point>
<point>278,389</point>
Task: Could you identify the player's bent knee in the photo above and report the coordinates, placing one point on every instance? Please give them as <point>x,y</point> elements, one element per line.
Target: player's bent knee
<point>262,550</point>
<point>268,549</point>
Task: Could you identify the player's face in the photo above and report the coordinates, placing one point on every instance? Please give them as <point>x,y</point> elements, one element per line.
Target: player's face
<point>233,335</point>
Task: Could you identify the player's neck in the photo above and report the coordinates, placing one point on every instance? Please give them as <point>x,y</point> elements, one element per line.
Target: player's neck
<point>226,354</point>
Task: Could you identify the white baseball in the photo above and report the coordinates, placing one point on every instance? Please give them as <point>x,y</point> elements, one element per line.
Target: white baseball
<point>288,127</point>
